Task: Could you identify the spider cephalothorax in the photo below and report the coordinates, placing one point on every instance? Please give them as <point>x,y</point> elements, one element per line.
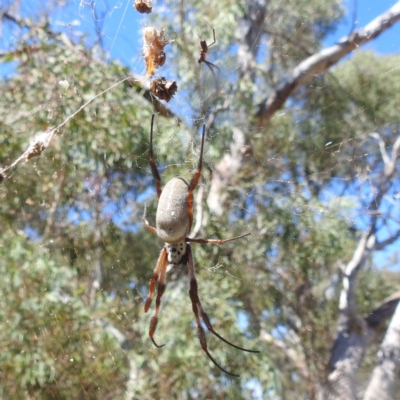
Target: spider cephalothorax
<point>173,223</point>
<point>176,253</point>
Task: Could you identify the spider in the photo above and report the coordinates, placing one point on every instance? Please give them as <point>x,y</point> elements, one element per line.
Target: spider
<point>174,220</point>
<point>203,52</point>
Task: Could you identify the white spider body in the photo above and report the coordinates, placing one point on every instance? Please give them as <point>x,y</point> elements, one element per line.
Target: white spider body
<point>172,219</point>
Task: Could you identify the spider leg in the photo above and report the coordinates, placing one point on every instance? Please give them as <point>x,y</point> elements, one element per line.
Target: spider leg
<point>206,318</point>
<point>207,321</point>
<point>153,165</point>
<point>213,31</point>
<point>215,41</point>
<point>194,297</point>
<point>195,179</point>
<point>146,223</point>
<point>215,241</point>
<point>211,66</point>
<point>162,259</point>
<point>160,292</point>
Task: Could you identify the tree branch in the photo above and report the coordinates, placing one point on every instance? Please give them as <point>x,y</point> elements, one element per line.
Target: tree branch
<point>377,318</point>
<point>322,61</point>
<point>385,375</point>
<point>354,332</point>
<point>340,382</point>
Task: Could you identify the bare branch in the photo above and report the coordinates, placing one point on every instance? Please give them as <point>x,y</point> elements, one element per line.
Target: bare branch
<point>395,150</point>
<point>377,318</point>
<point>225,170</point>
<point>348,351</point>
<point>382,148</point>
<point>391,239</point>
<point>347,295</point>
<point>354,332</point>
<point>322,61</point>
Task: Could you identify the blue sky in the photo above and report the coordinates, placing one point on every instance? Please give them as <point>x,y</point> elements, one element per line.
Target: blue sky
<point>367,10</point>
<point>121,27</point>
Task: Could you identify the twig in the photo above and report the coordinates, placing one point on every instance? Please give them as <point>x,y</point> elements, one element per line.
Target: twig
<point>42,140</point>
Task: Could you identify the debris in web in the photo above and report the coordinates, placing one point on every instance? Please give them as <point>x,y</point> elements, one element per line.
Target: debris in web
<point>39,144</point>
<point>153,49</point>
<point>43,139</point>
<point>163,89</point>
<point>143,6</point>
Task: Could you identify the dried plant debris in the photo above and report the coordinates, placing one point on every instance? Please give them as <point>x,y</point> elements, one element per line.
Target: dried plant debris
<point>163,89</point>
<point>39,144</point>
<point>143,6</point>
<point>42,140</point>
<point>153,49</point>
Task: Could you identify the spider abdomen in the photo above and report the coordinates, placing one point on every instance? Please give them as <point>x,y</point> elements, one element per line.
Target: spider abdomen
<point>172,219</point>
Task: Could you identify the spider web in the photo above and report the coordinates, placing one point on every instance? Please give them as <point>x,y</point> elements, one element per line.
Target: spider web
<point>115,32</point>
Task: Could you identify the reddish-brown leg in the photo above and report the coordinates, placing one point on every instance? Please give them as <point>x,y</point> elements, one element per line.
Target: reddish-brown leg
<point>146,223</point>
<point>215,241</point>
<point>207,321</point>
<point>194,297</point>
<point>160,292</point>
<point>162,260</point>
<point>195,179</point>
<point>153,165</point>
<point>211,66</point>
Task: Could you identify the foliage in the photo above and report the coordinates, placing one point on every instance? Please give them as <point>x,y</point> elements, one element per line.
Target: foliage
<point>51,346</point>
<point>76,259</point>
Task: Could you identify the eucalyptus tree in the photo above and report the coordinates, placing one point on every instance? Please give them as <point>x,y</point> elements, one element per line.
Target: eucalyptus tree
<point>299,153</point>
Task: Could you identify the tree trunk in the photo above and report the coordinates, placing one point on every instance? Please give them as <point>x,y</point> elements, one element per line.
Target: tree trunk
<point>384,377</point>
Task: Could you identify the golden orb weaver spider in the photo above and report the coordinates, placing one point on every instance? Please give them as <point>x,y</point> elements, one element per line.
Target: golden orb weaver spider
<point>174,220</point>
<point>204,47</point>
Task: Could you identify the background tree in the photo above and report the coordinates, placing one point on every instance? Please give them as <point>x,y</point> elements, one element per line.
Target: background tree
<point>315,184</point>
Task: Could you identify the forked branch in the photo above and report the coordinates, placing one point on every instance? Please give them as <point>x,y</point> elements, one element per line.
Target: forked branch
<point>354,332</point>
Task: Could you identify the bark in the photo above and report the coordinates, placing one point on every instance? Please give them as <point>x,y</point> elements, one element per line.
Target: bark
<point>226,169</point>
<point>354,332</point>
<point>349,349</point>
<point>385,375</point>
<point>352,337</point>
